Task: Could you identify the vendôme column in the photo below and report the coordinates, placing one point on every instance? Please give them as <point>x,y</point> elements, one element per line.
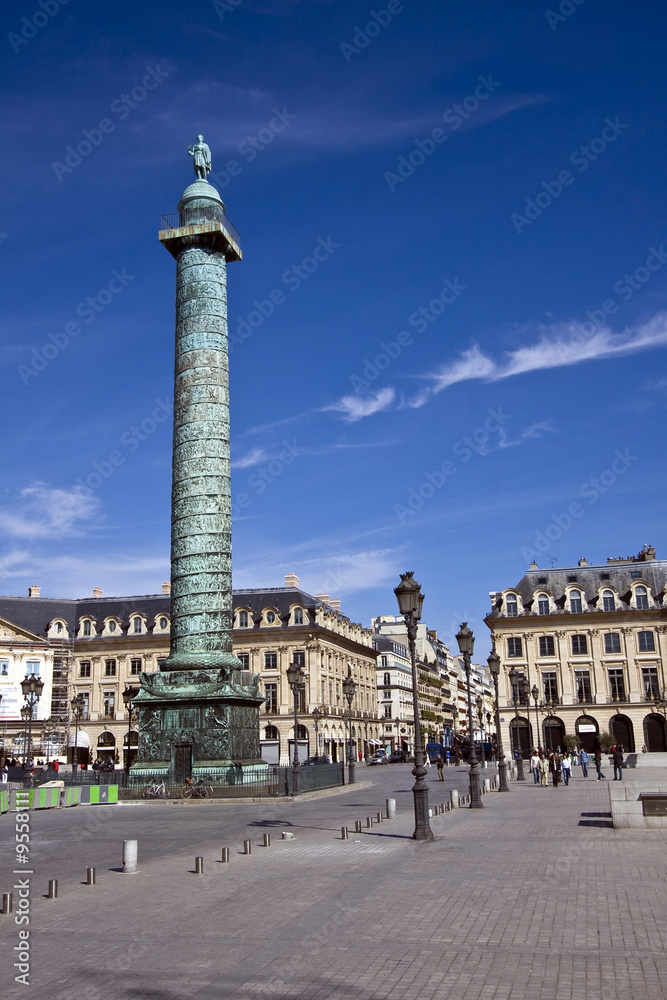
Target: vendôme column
<point>201,711</point>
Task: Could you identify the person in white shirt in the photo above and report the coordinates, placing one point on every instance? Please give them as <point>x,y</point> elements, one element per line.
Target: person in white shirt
<point>566,767</point>
<point>535,765</point>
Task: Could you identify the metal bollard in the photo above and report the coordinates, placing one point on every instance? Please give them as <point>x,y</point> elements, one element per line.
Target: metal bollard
<point>90,876</point>
<point>344,835</point>
<point>380,817</point>
<point>391,808</point>
<point>454,798</point>
<point>267,840</point>
<point>369,822</point>
<point>53,889</point>
<point>225,854</point>
<point>7,902</point>
<point>199,866</point>
<point>247,847</point>
<point>130,850</point>
<point>357,826</point>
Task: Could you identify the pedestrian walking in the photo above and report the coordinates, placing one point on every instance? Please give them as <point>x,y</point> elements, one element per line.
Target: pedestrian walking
<point>597,757</point>
<point>583,758</point>
<point>543,767</point>
<point>566,767</point>
<point>618,763</point>
<point>439,763</point>
<point>535,767</point>
<point>554,767</point>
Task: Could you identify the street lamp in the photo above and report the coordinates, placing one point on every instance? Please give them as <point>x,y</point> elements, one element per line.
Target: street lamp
<point>349,687</point>
<point>129,694</point>
<point>466,641</point>
<point>295,679</point>
<point>317,715</point>
<point>479,701</point>
<point>410,600</point>
<point>494,667</point>
<point>536,694</point>
<point>515,680</point>
<point>32,687</point>
<point>78,704</point>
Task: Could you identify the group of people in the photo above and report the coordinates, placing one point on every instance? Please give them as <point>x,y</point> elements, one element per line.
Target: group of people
<point>559,765</point>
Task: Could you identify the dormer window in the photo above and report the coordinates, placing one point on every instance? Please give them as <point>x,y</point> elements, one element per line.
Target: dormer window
<point>298,616</point>
<point>86,627</point>
<point>575,602</point>
<point>112,626</point>
<point>641,599</point>
<point>243,619</point>
<point>136,624</point>
<point>608,602</point>
<point>542,604</point>
<point>512,606</point>
<point>270,617</point>
<point>163,623</point>
<point>59,626</point>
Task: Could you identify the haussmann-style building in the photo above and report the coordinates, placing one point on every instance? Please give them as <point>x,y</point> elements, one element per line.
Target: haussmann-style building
<point>592,642</point>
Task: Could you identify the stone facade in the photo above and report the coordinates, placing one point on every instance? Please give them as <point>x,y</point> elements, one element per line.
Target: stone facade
<point>593,641</point>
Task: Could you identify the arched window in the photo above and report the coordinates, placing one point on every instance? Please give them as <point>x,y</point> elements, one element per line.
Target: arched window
<point>542,604</point>
<point>301,733</point>
<point>270,617</point>
<point>136,625</point>
<point>271,733</point>
<point>298,616</point>
<point>112,625</point>
<point>608,602</point>
<point>163,623</point>
<point>86,627</point>
<point>511,606</point>
<point>575,602</point>
<point>641,599</point>
<point>387,680</point>
<point>243,619</point>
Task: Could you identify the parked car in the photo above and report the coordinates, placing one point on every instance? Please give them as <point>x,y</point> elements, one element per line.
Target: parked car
<point>398,757</point>
<point>322,759</point>
<point>379,758</point>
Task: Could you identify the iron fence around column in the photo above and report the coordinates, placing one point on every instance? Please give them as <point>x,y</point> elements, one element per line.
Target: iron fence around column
<point>267,780</point>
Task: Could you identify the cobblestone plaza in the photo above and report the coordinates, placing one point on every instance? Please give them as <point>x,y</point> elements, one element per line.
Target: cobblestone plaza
<point>535,896</point>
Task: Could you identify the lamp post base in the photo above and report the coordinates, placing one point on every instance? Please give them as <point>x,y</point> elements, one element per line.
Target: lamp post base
<point>423,830</point>
<point>502,776</point>
<point>520,776</point>
<point>296,779</point>
<point>475,787</point>
<point>351,773</point>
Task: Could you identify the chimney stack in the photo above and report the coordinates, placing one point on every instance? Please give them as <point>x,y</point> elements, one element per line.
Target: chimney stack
<point>34,591</point>
<point>334,603</point>
<point>291,580</point>
<point>166,588</point>
<point>97,592</point>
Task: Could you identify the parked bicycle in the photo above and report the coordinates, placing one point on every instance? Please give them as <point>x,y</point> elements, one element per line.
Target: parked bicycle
<point>155,791</point>
<point>198,790</point>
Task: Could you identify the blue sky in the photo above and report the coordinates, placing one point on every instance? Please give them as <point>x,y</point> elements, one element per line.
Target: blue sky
<point>477,345</point>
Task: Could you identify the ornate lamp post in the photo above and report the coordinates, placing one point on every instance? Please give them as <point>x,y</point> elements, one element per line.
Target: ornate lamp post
<point>349,688</point>
<point>295,679</point>
<point>78,704</point>
<point>494,667</point>
<point>466,641</point>
<point>26,714</point>
<point>129,694</point>
<point>32,687</point>
<point>515,681</point>
<point>536,694</point>
<point>410,600</point>
<point>317,715</point>
<point>479,701</point>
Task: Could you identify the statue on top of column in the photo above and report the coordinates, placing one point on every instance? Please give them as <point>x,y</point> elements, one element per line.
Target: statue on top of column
<point>202,158</point>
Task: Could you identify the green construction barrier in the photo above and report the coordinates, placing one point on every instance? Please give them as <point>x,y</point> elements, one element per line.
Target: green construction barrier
<point>70,796</point>
<point>98,795</point>
<point>4,802</point>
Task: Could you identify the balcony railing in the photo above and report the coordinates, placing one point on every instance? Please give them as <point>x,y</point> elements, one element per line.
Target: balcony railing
<point>198,217</point>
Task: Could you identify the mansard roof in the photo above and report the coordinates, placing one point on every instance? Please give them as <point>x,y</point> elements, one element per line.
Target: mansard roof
<point>36,613</point>
<point>619,576</point>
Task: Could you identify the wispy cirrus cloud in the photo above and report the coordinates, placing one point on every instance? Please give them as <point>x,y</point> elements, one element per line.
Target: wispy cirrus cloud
<point>355,408</point>
<point>43,512</point>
